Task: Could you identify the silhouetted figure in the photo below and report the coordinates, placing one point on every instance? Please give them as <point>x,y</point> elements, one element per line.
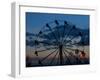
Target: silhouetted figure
<point>83,58</point>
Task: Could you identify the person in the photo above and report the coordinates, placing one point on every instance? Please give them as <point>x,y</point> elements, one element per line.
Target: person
<point>82,55</point>
<point>83,58</point>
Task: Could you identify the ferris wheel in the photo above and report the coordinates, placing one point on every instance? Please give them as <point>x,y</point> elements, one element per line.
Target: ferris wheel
<point>57,43</point>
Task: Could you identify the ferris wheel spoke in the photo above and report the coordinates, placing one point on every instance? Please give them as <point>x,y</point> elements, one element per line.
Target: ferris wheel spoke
<point>67,51</point>
<point>48,55</point>
<point>73,38</point>
<point>43,42</point>
<point>58,32</point>
<point>46,46</point>
<point>65,24</point>
<point>47,49</point>
<point>57,28</point>
<point>63,33</point>
<point>58,59</point>
<point>80,33</point>
<point>67,58</point>
<point>72,44</point>
<point>48,43</point>
<point>67,34</point>
<point>41,33</point>
<point>52,31</point>
<point>65,54</point>
<point>70,49</point>
<point>54,57</point>
<point>73,49</point>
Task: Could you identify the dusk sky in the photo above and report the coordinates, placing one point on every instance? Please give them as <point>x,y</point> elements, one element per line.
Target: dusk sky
<point>35,21</point>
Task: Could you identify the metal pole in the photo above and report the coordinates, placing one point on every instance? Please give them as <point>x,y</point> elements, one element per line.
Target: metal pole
<point>61,54</point>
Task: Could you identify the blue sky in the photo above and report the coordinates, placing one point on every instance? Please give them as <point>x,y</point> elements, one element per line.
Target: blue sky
<point>35,21</point>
